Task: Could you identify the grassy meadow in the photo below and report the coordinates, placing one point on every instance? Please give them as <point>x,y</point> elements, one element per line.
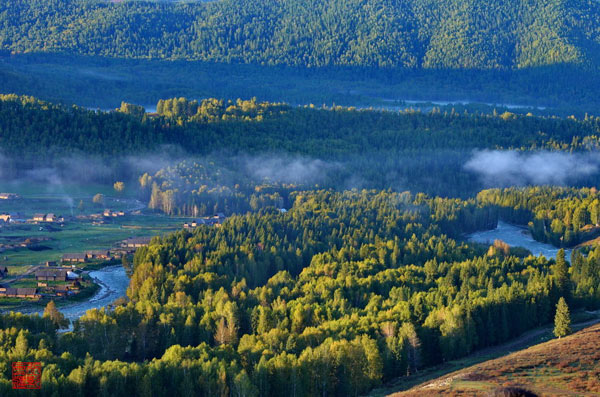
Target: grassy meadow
<point>74,235</point>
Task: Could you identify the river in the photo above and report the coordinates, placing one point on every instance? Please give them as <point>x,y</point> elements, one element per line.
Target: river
<point>113,283</point>
<point>516,236</point>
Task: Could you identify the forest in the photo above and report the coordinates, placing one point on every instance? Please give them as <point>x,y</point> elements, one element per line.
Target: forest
<point>449,34</point>
<point>342,258</point>
<point>342,263</point>
<point>532,53</point>
<point>335,147</point>
<point>564,217</point>
<point>341,293</point>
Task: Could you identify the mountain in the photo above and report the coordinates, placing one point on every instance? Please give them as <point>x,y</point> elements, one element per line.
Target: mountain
<point>433,34</point>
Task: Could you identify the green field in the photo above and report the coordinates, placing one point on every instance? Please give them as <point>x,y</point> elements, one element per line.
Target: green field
<point>75,235</point>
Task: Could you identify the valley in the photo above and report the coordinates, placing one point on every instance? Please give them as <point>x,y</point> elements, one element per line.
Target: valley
<point>299,198</point>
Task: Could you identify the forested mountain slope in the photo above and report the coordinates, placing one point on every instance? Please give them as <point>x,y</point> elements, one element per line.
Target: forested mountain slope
<point>375,33</point>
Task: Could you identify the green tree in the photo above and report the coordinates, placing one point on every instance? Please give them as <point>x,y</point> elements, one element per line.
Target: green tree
<point>58,319</point>
<point>21,345</point>
<point>561,274</point>
<point>562,319</point>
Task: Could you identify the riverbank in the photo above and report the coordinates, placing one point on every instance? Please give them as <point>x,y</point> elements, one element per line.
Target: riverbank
<point>111,282</point>
<point>516,236</point>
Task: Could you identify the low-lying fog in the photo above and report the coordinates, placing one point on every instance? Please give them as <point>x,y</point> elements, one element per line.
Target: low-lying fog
<point>423,172</point>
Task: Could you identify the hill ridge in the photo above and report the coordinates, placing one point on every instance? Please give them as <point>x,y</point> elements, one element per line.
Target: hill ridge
<point>447,34</point>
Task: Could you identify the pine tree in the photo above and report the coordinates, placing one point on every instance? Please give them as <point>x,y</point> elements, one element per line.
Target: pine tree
<point>562,319</point>
<point>561,274</point>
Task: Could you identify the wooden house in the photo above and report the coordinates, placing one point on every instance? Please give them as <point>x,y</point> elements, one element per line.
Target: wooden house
<point>51,218</point>
<point>62,290</point>
<point>136,242</point>
<point>75,258</point>
<point>9,196</point>
<point>39,217</point>
<point>51,275</point>
<point>98,254</point>
<point>20,293</point>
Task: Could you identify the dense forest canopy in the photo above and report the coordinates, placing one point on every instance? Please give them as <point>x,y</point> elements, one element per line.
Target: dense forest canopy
<point>339,260</point>
<point>342,292</point>
<point>424,152</point>
<point>448,34</point>
<point>357,282</point>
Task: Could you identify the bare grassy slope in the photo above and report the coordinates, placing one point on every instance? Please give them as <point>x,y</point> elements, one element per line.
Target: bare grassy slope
<point>561,367</point>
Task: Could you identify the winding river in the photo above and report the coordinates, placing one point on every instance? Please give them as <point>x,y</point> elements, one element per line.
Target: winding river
<point>516,236</point>
<point>113,282</point>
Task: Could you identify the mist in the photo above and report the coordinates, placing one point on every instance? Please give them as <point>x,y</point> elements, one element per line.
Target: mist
<point>290,169</point>
<point>509,168</point>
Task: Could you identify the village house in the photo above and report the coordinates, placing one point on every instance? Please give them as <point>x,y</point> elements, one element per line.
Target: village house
<point>20,293</point>
<point>75,258</point>
<point>51,263</point>
<point>62,290</point>
<point>119,252</point>
<point>194,224</point>
<point>110,213</point>
<point>98,254</point>
<point>136,242</point>
<point>11,217</point>
<point>51,218</point>
<point>51,275</point>
<point>39,217</point>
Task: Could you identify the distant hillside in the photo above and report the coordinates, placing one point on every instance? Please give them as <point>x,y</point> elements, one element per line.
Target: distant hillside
<point>454,34</point>
<point>560,367</point>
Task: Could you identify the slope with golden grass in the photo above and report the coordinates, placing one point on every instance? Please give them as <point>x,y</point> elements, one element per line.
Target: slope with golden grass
<point>561,367</point>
